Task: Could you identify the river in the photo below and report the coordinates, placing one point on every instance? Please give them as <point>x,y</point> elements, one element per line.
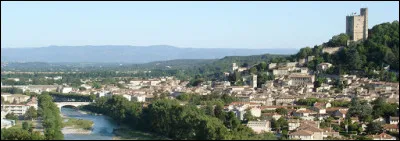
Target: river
<point>102,128</point>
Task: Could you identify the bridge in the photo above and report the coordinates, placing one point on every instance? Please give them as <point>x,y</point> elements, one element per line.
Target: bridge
<point>75,104</point>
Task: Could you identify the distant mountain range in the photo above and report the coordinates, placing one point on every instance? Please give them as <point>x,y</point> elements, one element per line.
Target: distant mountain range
<point>126,54</point>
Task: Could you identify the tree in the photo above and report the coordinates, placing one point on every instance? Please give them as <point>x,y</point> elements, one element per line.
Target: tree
<point>25,125</point>
<point>282,111</point>
<point>338,40</point>
<point>121,86</point>
<point>31,113</point>
<point>82,88</point>
<point>248,116</point>
<point>183,97</point>
<point>231,121</point>
<point>268,136</point>
<point>253,70</point>
<point>304,52</point>
<point>263,66</point>
<point>96,86</point>
<point>11,116</point>
<point>219,112</point>
<point>374,128</point>
<point>209,110</point>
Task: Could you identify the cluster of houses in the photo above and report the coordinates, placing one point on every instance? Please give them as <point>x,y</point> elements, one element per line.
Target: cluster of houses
<point>17,104</point>
<point>293,81</point>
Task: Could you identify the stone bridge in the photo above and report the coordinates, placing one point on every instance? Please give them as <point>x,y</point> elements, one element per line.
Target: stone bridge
<point>75,104</point>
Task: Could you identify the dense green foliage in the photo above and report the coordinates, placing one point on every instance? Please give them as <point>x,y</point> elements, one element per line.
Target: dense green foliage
<point>169,118</point>
<point>361,58</point>
<point>20,134</point>
<point>12,90</point>
<point>60,97</point>
<point>360,109</point>
<point>383,109</point>
<point>11,116</point>
<point>31,113</point>
<point>52,121</point>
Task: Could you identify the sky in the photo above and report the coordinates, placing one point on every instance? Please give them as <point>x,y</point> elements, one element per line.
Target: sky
<point>182,24</point>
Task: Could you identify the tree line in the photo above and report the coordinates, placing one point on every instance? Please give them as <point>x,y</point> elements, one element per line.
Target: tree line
<point>169,118</point>
<point>52,121</point>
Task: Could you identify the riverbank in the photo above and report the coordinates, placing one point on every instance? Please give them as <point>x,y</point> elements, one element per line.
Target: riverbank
<point>125,133</point>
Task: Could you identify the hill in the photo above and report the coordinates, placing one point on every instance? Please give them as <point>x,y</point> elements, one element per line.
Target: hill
<point>124,54</point>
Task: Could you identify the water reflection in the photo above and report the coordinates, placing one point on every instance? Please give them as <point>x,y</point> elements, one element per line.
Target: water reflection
<point>102,129</point>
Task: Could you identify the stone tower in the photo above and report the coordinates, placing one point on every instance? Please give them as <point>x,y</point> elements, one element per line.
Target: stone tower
<point>357,25</point>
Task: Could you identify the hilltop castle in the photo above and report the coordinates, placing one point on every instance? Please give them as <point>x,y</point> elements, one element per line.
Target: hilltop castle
<point>357,25</point>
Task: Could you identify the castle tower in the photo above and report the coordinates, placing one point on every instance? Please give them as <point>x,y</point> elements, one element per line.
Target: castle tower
<point>357,25</point>
<point>364,12</point>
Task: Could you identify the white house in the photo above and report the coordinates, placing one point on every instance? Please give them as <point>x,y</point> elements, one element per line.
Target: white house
<point>127,96</point>
<point>5,123</point>
<point>18,109</point>
<point>139,98</point>
<point>66,89</point>
<point>260,126</point>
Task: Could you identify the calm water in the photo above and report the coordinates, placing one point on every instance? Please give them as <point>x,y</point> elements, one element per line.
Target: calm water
<point>102,129</point>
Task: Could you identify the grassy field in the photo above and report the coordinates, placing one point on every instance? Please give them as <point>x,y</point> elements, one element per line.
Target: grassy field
<point>125,133</point>
<point>78,123</point>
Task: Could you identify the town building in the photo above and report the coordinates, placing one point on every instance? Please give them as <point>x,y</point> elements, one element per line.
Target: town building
<point>15,98</point>
<point>260,126</point>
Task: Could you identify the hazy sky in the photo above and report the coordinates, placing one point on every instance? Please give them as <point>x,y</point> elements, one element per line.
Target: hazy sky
<point>182,24</point>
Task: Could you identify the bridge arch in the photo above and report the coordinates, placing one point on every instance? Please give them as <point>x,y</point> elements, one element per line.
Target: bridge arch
<point>74,104</point>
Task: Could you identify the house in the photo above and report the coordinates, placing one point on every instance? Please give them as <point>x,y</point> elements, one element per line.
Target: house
<point>274,115</point>
<point>340,113</point>
<point>321,107</point>
<point>260,126</point>
<point>304,114</point>
<point>382,136</point>
<point>255,111</point>
<point>86,86</point>
<point>394,120</point>
<point>391,127</point>
<point>310,132</point>
<point>17,98</point>
<point>302,135</point>
<point>41,88</point>
<point>272,66</point>
<point>264,101</point>
<point>18,109</point>
<point>127,96</point>
<point>323,66</point>
<point>285,100</point>
<point>5,123</point>
<point>293,124</point>
<point>66,89</point>
<point>296,79</point>
<point>103,93</point>
<point>307,132</point>
<point>281,71</point>
<point>330,132</point>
